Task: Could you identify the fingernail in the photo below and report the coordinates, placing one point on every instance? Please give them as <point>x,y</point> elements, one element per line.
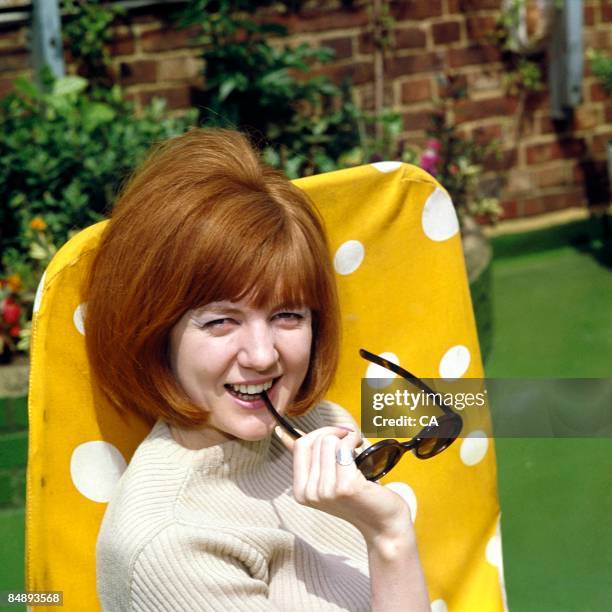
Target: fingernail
<point>278,432</point>
<point>347,427</point>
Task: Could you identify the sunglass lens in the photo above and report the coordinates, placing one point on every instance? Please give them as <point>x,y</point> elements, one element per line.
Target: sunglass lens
<point>438,438</point>
<point>377,463</point>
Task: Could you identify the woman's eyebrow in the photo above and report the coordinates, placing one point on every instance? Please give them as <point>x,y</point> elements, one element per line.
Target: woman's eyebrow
<point>216,308</point>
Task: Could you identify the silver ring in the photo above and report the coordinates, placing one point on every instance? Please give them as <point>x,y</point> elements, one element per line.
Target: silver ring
<point>344,456</point>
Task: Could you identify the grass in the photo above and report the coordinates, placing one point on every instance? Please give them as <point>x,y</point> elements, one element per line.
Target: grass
<point>553,318</point>
<point>12,538</point>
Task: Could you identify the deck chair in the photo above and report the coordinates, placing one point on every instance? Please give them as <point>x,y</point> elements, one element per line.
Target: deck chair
<point>404,295</point>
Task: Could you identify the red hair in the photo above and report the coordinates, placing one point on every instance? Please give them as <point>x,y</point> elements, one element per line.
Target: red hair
<point>202,220</point>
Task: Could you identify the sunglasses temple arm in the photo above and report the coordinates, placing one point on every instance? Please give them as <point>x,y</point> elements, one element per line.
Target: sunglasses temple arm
<point>389,365</point>
<point>282,421</point>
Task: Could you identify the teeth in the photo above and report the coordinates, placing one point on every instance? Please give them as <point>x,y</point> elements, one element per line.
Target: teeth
<point>252,389</point>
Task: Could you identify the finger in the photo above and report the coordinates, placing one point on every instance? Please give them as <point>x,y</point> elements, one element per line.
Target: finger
<point>327,479</point>
<point>302,451</point>
<point>346,448</point>
<point>314,471</point>
<point>287,439</point>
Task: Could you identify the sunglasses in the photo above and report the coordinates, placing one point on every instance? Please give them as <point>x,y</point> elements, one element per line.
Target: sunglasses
<point>380,458</point>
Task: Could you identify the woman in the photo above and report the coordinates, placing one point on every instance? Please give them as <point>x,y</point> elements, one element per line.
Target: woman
<point>213,283</point>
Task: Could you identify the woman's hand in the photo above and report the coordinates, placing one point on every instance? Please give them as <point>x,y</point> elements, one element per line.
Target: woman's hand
<point>342,490</point>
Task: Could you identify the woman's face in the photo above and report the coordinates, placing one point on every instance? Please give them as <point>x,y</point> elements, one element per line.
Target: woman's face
<point>225,353</point>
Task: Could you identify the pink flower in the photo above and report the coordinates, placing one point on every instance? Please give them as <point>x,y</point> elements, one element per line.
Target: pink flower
<point>433,144</point>
<point>430,161</point>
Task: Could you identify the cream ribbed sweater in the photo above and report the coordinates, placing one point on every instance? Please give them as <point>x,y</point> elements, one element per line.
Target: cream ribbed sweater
<point>218,529</point>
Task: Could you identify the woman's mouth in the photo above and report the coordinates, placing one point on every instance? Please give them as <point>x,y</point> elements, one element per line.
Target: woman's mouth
<point>249,393</point>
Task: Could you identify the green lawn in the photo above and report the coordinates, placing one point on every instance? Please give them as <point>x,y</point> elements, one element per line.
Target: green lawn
<point>553,318</point>
<point>12,538</point>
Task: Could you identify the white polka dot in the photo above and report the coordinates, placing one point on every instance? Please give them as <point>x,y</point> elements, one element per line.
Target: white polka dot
<point>378,377</point>
<point>474,447</point>
<point>349,257</point>
<point>406,492</point>
<point>439,219</point>
<point>454,362</point>
<point>494,551</point>
<point>439,605</point>
<point>95,469</point>
<point>78,318</point>
<point>39,293</point>
<point>387,166</point>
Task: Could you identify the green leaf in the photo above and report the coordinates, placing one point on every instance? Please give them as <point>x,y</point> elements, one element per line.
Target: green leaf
<point>96,114</point>
<point>226,88</point>
<point>69,85</point>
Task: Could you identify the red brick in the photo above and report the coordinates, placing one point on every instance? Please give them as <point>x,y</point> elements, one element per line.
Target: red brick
<point>169,39</point>
<point>6,87</point>
<point>413,64</point>
<point>453,6</point>
<point>358,73</point>
<point>417,120</point>
<point>606,12</point>
<point>500,160</point>
<point>318,20</point>
<point>600,143</point>
<point>18,59</point>
<point>538,100</point>
<point>510,209</point>
<point>343,47</point>
<point>471,110</point>
<point>475,54</point>
<point>410,38</point>
<point>404,10</point>
<point>446,32</point>
<point>486,133</point>
<point>597,93</point>
<point>416,91</point>
<point>403,38</point>
<point>178,97</point>
<point>476,5</point>
<point>480,27</point>
<point>589,15</point>
<point>12,37</point>
<point>122,44</point>
<point>608,113</point>
<point>139,71</point>
<point>559,149</point>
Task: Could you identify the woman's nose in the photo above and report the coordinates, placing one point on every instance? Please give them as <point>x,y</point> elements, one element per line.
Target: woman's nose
<point>257,348</point>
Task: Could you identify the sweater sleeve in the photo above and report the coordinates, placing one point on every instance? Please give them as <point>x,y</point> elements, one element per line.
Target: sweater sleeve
<point>188,568</point>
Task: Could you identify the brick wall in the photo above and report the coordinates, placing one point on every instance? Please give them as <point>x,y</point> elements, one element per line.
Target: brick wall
<point>542,165</point>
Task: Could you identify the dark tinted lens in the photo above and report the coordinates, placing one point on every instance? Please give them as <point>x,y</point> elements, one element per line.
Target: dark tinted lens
<point>379,461</point>
<point>439,438</point>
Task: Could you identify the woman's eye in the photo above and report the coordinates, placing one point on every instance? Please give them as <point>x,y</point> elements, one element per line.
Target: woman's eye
<point>216,323</point>
<point>289,316</point>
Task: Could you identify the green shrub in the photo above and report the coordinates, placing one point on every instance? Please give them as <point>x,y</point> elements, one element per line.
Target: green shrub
<point>601,66</point>
<point>256,82</point>
<point>64,152</point>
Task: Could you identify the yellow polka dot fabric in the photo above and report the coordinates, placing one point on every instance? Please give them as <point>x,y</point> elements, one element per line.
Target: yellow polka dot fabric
<point>404,295</point>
